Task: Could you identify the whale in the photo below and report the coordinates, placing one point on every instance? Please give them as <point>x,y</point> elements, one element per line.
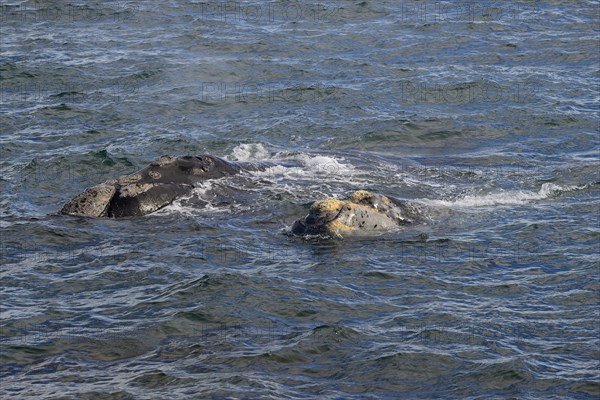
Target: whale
<point>168,178</point>
<point>362,211</point>
<point>153,187</point>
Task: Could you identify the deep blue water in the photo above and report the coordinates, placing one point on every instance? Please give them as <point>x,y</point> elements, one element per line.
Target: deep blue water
<point>487,113</point>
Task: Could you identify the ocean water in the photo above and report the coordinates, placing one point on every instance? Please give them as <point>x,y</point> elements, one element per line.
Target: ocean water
<point>486,113</point>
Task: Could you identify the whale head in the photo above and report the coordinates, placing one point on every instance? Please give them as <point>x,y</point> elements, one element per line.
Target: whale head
<point>363,211</point>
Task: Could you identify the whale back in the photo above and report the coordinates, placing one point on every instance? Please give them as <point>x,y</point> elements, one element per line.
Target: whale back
<point>149,189</point>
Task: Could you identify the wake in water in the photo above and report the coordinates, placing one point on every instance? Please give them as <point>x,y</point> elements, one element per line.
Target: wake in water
<point>322,171</point>
<point>548,190</point>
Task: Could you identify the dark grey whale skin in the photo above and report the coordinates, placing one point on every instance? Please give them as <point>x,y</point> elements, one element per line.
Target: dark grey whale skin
<point>152,187</point>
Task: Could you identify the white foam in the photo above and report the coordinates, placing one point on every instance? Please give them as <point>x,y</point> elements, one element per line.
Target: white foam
<point>325,165</point>
<point>303,167</point>
<point>249,152</point>
<point>309,164</point>
<point>504,197</point>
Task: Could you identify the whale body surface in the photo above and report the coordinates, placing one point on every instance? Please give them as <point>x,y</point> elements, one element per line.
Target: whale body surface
<point>151,188</point>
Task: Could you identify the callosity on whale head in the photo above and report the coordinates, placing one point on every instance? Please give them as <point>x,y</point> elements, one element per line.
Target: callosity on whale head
<point>149,189</point>
<point>362,211</point>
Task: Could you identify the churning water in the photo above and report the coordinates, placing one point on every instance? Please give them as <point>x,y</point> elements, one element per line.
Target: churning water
<point>485,112</point>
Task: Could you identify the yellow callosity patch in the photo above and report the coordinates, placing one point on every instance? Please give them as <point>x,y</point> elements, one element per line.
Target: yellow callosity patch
<point>360,195</point>
<point>332,205</point>
<point>338,226</point>
<point>327,205</point>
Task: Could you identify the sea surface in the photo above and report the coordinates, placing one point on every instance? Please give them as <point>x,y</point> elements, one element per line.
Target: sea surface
<point>486,113</point>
